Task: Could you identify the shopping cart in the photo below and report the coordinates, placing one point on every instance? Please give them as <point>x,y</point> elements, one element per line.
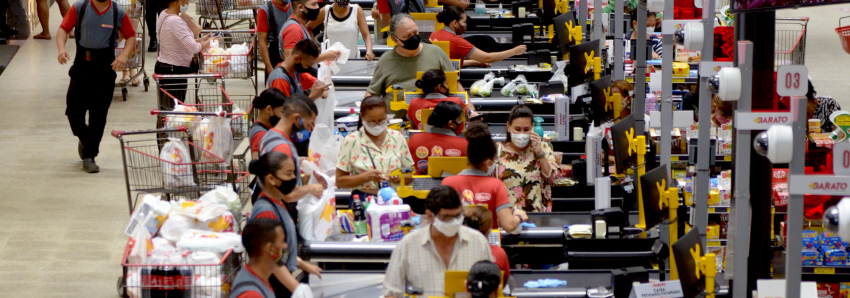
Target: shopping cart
<point>202,91</point>
<point>235,59</point>
<point>790,41</point>
<point>177,280</point>
<point>243,12</point>
<point>135,10</point>
<point>193,120</point>
<point>844,35</point>
<point>146,171</point>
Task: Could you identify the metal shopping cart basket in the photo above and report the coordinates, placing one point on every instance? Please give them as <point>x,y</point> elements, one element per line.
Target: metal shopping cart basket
<point>135,10</point>
<point>148,169</point>
<point>790,41</point>
<point>205,92</point>
<point>844,35</point>
<point>194,121</point>
<point>243,12</point>
<point>236,57</point>
<point>177,280</point>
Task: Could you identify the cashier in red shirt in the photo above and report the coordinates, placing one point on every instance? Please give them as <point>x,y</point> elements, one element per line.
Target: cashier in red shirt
<point>294,30</point>
<point>269,106</point>
<point>435,86</point>
<point>440,139</point>
<point>454,20</point>
<point>477,187</point>
<point>292,75</point>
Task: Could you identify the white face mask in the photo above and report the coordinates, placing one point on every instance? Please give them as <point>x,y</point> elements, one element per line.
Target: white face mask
<point>520,140</point>
<point>492,168</point>
<point>376,130</point>
<point>184,8</point>
<point>650,31</point>
<point>448,228</point>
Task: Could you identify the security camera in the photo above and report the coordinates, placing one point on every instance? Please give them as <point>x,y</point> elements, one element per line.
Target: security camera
<point>726,84</point>
<point>775,144</point>
<point>837,219</point>
<point>690,36</point>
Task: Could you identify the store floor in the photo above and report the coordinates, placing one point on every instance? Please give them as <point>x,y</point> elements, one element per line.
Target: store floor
<point>61,230</point>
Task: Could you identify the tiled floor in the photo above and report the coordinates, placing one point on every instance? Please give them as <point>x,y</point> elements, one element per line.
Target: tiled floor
<point>61,230</point>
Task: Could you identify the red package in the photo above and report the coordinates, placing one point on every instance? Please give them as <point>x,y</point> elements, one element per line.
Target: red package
<point>828,290</point>
<point>780,187</point>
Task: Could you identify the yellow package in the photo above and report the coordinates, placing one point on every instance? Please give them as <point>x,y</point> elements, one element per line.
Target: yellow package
<point>681,69</point>
<point>714,197</point>
<point>713,231</point>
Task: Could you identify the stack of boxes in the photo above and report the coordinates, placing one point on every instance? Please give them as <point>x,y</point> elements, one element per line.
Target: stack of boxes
<point>824,249</point>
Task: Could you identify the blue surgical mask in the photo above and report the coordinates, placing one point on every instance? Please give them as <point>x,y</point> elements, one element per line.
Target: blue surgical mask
<point>300,133</point>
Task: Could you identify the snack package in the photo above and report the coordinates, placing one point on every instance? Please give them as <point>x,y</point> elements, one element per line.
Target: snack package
<point>811,240</point>
<point>150,213</point>
<point>831,241</point>
<point>812,258</point>
<point>346,221</point>
<point>844,289</point>
<point>828,290</point>
<point>835,258</point>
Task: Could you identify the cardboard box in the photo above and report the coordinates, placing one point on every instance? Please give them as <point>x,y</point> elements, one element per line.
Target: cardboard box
<point>811,240</point>
<point>835,258</point>
<point>844,289</point>
<point>562,119</point>
<point>828,290</point>
<point>681,69</point>
<point>812,258</point>
<point>831,241</point>
<point>713,231</point>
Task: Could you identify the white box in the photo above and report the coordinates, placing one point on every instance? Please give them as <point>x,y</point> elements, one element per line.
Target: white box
<point>562,119</point>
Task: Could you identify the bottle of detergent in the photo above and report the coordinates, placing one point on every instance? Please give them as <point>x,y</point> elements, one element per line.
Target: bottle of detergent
<point>537,126</point>
<point>386,193</point>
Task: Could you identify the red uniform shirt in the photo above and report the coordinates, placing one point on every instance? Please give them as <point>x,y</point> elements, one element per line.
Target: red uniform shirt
<point>414,110</point>
<point>425,144</point>
<point>307,81</point>
<point>459,48</point>
<point>476,188</point>
<point>96,40</point>
<point>263,18</point>
<point>291,35</point>
<point>501,259</point>
<point>255,140</point>
<point>383,6</point>
<point>283,147</point>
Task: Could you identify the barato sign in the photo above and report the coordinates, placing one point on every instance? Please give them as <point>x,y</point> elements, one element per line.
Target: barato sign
<point>819,185</point>
<point>762,120</point>
<point>670,289</point>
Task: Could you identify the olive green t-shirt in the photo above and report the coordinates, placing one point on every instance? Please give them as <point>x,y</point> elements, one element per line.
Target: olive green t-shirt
<point>395,69</point>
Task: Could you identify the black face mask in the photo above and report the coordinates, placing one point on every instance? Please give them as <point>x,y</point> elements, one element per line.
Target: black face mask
<point>300,68</point>
<point>286,186</point>
<point>274,119</point>
<point>311,14</point>
<point>460,29</point>
<point>411,43</point>
<point>342,3</point>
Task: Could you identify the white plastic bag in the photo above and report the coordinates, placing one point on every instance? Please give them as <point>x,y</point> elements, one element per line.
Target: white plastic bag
<point>221,223</point>
<point>487,89</point>
<point>215,136</point>
<point>176,164</point>
<point>239,59</point>
<point>159,242</point>
<point>223,195</point>
<point>140,245</point>
<point>175,226</point>
<point>176,121</point>
<point>324,149</point>
<point>198,240</point>
<point>559,76</point>
<point>317,216</point>
<point>302,291</point>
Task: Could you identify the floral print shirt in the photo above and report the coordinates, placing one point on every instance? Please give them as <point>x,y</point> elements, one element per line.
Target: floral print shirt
<point>354,158</point>
<point>528,187</point>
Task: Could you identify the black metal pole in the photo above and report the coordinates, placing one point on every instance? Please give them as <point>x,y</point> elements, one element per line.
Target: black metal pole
<point>759,27</point>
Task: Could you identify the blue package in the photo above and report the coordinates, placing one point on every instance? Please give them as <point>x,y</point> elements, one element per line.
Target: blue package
<point>812,258</point>
<point>835,258</point>
<point>831,241</point>
<point>528,225</point>
<point>811,241</point>
<point>545,283</point>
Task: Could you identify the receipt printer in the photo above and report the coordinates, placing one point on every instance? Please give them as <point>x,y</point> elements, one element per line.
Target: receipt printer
<point>614,219</point>
<point>624,279</point>
<point>520,31</point>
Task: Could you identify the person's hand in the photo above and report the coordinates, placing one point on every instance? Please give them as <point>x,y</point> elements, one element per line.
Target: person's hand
<point>655,56</point>
<point>536,144</point>
<point>316,190</point>
<point>394,179</point>
<point>519,50</point>
<point>370,56</point>
<point>312,269</point>
<point>206,37</point>
<point>333,55</point>
<point>482,64</point>
<point>64,57</point>
<point>319,88</point>
<point>119,63</point>
<point>322,181</point>
<point>521,214</point>
<point>462,4</point>
<point>374,176</point>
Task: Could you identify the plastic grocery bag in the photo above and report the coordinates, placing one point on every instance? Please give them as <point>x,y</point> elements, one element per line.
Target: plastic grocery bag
<point>140,245</point>
<point>302,291</point>
<point>176,121</point>
<point>221,223</point>
<point>239,59</point>
<point>324,149</point>
<point>176,164</point>
<point>559,75</point>
<point>216,137</point>
<point>175,226</point>
<point>476,86</point>
<point>223,195</point>
<point>198,240</point>
<point>487,89</point>
<point>317,216</point>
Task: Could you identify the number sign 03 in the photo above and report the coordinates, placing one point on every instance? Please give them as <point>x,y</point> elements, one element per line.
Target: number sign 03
<point>841,158</point>
<point>792,80</point>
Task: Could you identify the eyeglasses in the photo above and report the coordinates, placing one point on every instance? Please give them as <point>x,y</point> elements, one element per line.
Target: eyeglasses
<point>377,123</point>
<point>450,218</point>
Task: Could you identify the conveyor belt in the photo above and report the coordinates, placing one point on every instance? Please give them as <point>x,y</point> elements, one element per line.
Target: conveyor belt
<point>359,72</point>
<point>561,219</point>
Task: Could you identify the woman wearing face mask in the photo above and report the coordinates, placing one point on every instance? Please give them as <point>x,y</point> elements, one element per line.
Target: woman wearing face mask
<point>270,107</point>
<point>435,86</point>
<point>526,164</point>
<point>345,24</point>
<point>177,47</point>
<point>441,138</point>
<point>276,176</point>
<point>294,30</point>
<point>650,33</point>
<point>476,184</point>
<point>368,155</point>
<point>454,20</point>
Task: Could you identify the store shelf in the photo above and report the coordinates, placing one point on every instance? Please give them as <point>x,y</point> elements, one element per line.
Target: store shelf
<point>715,242</point>
<point>684,157</point>
<point>715,209</point>
<point>676,80</point>
<point>827,270</point>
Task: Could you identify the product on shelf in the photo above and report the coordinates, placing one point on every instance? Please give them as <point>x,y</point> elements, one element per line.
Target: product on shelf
<point>828,290</point>
<point>780,187</point>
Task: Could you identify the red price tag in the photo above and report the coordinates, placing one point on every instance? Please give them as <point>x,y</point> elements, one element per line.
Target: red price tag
<point>792,80</point>
<point>841,158</point>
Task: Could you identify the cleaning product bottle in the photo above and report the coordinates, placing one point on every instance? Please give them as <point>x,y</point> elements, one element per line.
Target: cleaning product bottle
<point>386,193</point>
<point>537,126</point>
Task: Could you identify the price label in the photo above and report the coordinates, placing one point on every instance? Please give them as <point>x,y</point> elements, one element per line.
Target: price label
<point>710,210</point>
<point>712,243</point>
<point>792,80</point>
<point>674,158</point>
<point>841,158</point>
<point>824,270</point>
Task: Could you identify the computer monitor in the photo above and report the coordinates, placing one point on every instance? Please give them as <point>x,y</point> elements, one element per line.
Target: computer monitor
<point>599,100</point>
<point>577,70</point>
<point>563,34</point>
<point>652,212</point>
<point>546,11</point>
<point>633,50</point>
<point>685,265</point>
<point>621,143</point>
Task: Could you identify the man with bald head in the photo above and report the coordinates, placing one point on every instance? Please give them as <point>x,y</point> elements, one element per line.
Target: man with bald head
<point>410,55</point>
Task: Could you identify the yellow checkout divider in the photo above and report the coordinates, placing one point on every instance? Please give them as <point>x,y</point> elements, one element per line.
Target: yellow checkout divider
<point>456,281</point>
<point>436,167</point>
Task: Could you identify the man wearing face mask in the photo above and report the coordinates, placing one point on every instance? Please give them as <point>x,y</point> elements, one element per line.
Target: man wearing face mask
<point>270,18</point>
<point>454,20</point>
<point>293,30</point>
<point>264,242</point>
<point>96,24</point>
<point>422,257</point>
<point>292,76</point>
<point>408,57</point>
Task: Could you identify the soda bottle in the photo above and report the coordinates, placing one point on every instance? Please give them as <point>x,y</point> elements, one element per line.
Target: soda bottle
<point>360,226</point>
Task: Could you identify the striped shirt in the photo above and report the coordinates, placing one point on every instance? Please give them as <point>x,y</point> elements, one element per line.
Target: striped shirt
<point>416,262</point>
<point>177,44</point>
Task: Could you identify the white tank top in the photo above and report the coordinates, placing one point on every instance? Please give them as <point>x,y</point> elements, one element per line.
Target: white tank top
<point>345,32</point>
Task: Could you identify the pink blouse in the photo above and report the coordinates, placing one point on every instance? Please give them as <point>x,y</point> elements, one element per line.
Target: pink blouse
<point>177,44</point>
